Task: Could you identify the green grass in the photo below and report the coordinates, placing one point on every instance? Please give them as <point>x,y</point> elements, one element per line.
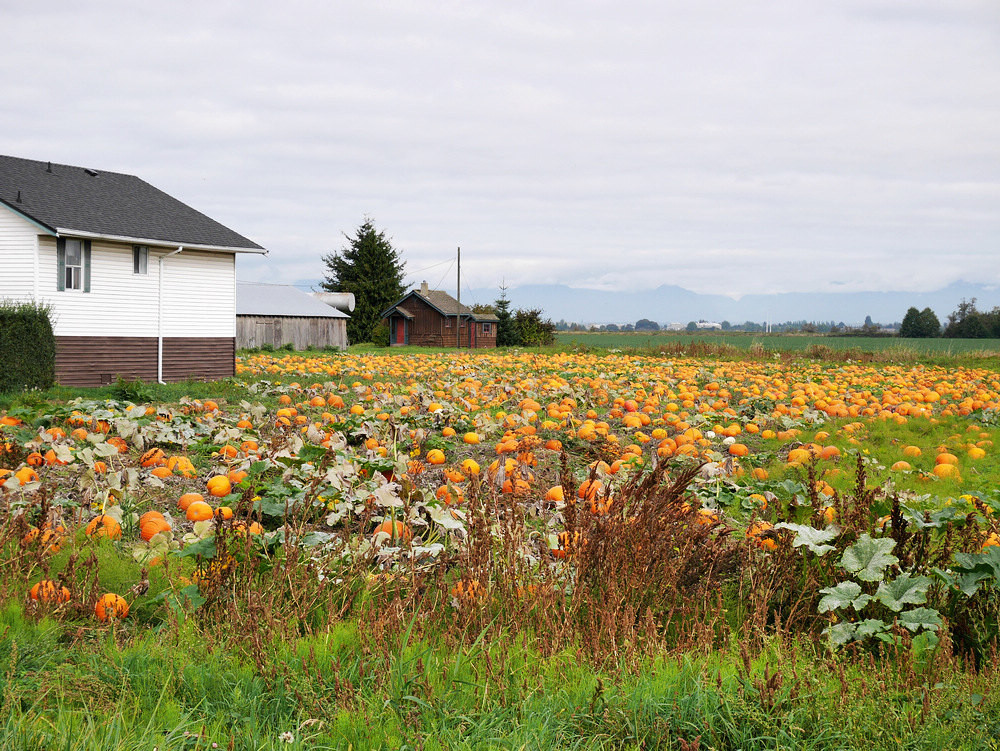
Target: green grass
<point>778,342</point>
<point>328,692</point>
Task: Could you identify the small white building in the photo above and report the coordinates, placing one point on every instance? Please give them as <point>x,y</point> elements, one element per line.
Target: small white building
<point>140,284</point>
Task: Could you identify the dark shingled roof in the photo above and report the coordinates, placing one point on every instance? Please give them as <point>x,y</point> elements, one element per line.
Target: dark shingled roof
<point>108,204</point>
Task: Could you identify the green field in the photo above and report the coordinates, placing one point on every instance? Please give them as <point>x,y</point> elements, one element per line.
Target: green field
<point>775,342</point>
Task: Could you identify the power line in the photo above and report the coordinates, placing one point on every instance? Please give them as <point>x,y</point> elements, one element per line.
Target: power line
<point>438,285</point>
<point>433,265</point>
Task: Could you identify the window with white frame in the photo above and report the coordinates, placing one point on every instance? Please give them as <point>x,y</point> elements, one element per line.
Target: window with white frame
<point>72,264</point>
<point>140,259</point>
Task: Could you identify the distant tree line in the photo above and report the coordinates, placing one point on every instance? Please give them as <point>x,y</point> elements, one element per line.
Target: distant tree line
<point>966,322</point>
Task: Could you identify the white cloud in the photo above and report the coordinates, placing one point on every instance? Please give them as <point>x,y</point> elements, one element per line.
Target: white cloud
<point>721,146</point>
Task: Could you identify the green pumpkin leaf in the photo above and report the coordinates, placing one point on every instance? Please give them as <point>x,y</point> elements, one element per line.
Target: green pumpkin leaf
<point>845,594</point>
<point>868,558</point>
<point>871,627</point>
<point>919,618</point>
<point>205,548</point>
<point>988,561</point>
<point>812,538</point>
<point>840,633</point>
<point>904,590</point>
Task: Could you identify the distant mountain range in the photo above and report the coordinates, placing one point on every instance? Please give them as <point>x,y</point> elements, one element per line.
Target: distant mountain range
<point>672,304</point>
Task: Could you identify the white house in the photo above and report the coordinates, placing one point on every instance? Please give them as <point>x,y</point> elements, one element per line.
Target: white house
<point>140,284</point>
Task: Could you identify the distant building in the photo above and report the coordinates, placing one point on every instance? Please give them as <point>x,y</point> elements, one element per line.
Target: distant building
<point>428,317</point>
<point>279,314</point>
<point>710,325</point>
<point>674,327</point>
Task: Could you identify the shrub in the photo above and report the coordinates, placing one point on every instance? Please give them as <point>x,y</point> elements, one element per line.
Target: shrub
<point>27,346</point>
<point>380,335</point>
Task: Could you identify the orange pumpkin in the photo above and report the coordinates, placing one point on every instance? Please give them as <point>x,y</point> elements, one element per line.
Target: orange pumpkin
<point>47,591</point>
<point>219,486</point>
<point>152,525</point>
<point>187,499</point>
<point>153,458</point>
<point>104,526</point>
<point>396,530</point>
<point>199,511</point>
<point>111,606</point>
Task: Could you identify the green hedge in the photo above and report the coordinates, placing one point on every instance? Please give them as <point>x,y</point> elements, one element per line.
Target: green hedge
<point>27,347</point>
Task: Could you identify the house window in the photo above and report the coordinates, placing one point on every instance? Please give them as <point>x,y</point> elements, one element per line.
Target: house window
<point>72,264</point>
<point>447,323</point>
<point>487,328</point>
<point>140,259</point>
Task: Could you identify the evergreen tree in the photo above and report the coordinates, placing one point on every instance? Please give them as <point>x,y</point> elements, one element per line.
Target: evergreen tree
<point>506,333</point>
<point>371,268</point>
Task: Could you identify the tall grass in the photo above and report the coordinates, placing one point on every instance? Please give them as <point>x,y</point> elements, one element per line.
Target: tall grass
<point>660,627</point>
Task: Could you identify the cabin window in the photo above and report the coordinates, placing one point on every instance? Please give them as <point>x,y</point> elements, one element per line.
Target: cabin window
<point>447,323</point>
<point>487,328</point>
<point>140,259</point>
<point>72,264</point>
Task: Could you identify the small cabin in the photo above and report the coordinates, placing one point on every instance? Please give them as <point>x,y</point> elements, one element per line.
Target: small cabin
<point>432,318</point>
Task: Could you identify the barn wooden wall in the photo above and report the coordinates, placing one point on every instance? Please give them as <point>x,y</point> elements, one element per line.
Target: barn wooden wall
<point>256,331</point>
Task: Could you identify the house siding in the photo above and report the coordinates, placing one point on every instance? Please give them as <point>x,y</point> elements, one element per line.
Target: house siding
<point>86,361</point>
<point>113,330</point>
<point>198,294</point>
<point>18,246</point>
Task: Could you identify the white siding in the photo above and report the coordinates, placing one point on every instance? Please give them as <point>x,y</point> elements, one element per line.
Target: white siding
<point>18,243</point>
<point>198,294</point>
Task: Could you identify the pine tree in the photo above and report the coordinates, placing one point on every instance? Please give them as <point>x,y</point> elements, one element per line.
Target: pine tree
<point>506,332</point>
<point>371,268</point>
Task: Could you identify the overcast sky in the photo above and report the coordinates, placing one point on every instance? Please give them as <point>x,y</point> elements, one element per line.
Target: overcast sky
<point>723,146</point>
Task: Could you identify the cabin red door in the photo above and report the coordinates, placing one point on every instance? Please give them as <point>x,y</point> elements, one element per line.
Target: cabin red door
<point>400,331</point>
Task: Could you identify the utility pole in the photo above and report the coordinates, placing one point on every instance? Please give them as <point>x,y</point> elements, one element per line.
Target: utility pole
<point>458,312</point>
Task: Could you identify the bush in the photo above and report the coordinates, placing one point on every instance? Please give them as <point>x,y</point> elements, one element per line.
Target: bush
<point>380,335</point>
<point>531,330</point>
<point>27,347</point>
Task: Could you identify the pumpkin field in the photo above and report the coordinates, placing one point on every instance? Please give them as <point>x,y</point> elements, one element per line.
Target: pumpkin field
<point>524,549</point>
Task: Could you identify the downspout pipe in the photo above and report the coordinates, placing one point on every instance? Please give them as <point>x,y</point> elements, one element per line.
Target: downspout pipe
<point>159,314</point>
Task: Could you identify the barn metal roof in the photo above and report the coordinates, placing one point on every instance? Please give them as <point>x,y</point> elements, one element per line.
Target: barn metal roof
<point>261,299</point>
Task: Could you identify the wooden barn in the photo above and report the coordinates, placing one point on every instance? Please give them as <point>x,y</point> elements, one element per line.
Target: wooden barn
<point>433,318</point>
<point>278,314</point>
<point>140,285</point>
